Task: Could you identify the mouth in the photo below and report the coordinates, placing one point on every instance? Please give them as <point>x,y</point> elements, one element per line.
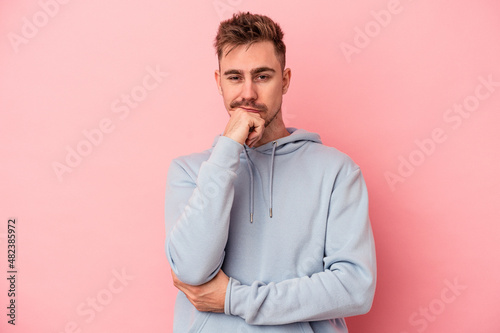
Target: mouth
<point>250,109</point>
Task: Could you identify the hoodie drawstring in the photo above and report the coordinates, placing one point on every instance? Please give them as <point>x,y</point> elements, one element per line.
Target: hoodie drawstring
<point>251,184</point>
<point>250,171</point>
<point>271,181</point>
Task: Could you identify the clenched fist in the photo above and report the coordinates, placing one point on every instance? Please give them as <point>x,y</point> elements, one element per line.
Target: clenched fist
<point>245,127</point>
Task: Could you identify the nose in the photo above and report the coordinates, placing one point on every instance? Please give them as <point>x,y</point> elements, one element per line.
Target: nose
<point>249,90</point>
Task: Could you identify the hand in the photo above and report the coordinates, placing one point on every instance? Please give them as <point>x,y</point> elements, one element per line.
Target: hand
<point>208,297</point>
<point>245,127</point>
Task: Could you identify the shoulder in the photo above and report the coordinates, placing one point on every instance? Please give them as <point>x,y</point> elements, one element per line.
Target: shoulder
<point>311,148</point>
<point>330,157</point>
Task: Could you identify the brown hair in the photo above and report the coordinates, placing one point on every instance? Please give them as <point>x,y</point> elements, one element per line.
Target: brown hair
<point>246,29</point>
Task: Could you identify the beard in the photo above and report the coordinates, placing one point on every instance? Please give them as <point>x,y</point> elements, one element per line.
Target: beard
<point>272,117</point>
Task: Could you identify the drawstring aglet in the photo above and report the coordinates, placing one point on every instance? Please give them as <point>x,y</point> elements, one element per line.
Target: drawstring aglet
<point>271,212</point>
<point>251,218</point>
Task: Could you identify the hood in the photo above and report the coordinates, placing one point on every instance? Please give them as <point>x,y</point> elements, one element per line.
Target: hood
<point>285,145</point>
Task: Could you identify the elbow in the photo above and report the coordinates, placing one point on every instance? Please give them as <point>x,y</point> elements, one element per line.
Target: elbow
<point>192,279</point>
<point>365,306</point>
<point>192,274</point>
<point>363,300</point>
<point>195,276</point>
<point>187,274</point>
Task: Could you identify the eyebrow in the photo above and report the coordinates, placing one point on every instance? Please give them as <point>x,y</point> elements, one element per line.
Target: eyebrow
<point>253,71</point>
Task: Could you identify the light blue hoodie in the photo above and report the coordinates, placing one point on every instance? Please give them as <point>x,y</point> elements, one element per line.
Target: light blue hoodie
<point>287,222</point>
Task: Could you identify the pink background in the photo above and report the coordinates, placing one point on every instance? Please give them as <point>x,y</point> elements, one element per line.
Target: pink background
<point>64,70</point>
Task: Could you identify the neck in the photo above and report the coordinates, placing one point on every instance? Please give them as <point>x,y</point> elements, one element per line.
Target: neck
<point>275,130</point>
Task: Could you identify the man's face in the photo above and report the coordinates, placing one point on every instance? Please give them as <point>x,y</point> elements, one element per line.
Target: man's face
<point>251,78</point>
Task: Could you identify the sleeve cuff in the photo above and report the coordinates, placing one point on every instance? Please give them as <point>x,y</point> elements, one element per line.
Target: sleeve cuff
<point>227,300</point>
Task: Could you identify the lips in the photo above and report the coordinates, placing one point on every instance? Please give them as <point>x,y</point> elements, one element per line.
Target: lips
<point>249,109</point>
<point>248,106</point>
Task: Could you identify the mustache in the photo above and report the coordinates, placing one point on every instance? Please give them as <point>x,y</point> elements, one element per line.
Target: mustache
<point>250,104</point>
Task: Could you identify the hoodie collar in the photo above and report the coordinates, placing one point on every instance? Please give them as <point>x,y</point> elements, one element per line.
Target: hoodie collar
<point>287,144</point>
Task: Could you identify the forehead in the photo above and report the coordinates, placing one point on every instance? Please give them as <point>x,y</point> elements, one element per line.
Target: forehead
<point>246,58</point>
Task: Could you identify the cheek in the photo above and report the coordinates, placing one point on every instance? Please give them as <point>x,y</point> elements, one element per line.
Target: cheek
<point>227,95</point>
<point>274,95</point>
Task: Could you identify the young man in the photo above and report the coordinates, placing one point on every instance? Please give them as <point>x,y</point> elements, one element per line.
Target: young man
<point>270,227</point>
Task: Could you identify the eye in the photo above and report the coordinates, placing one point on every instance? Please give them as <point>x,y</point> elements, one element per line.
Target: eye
<point>262,77</point>
<point>233,78</point>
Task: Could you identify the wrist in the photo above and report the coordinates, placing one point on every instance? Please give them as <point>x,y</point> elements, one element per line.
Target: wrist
<point>235,138</point>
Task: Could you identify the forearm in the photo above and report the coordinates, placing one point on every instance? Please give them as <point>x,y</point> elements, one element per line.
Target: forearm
<point>342,292</point>
<point>195,244</point>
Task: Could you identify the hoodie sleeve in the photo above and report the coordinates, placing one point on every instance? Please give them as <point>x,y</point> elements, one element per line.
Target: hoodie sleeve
<point>346,286</point>
<point>198,210</point>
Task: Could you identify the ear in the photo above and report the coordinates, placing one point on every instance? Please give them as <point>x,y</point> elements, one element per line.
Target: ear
<point>287,76</point>
<point>217,80</point>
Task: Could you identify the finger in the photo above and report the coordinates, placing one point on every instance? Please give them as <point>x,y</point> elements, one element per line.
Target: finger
<point>252,140</point>
<point>257,133</point>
